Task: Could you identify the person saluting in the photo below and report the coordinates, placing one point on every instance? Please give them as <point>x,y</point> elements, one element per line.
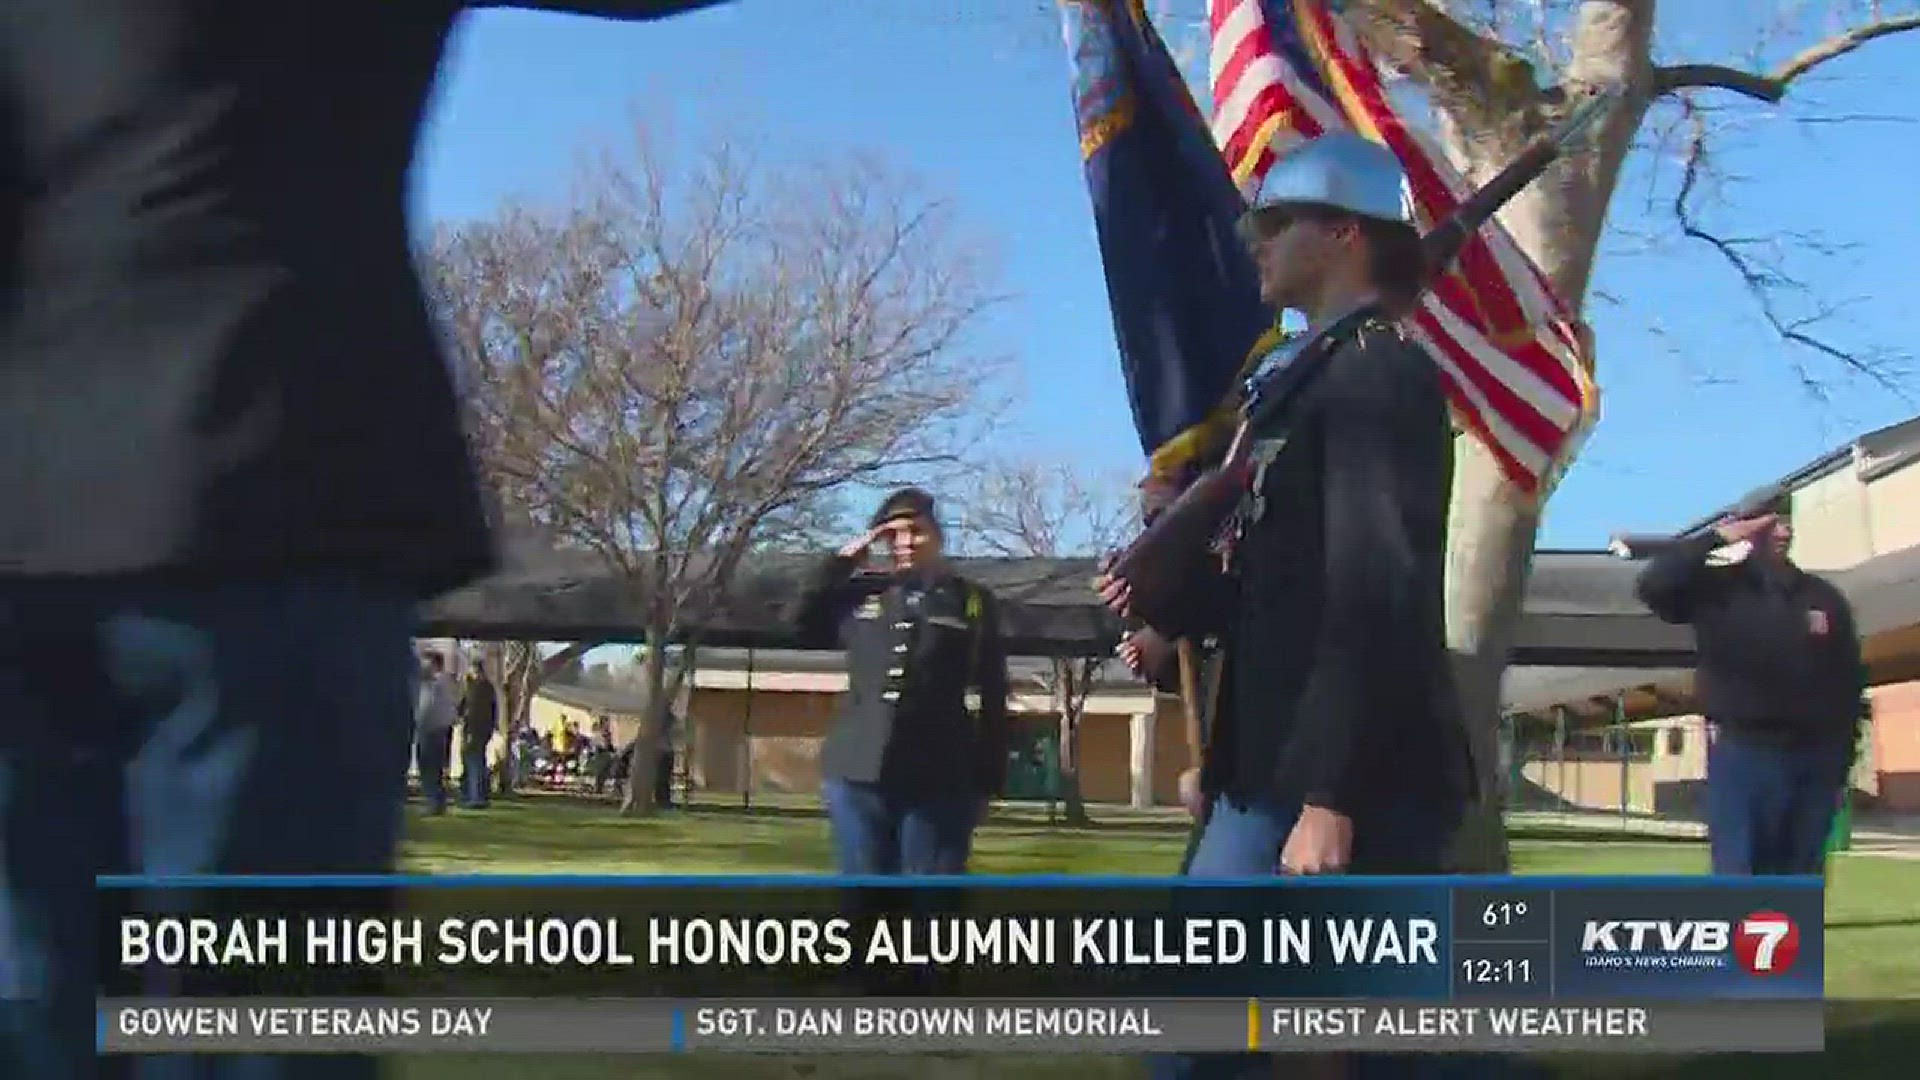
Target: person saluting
<point>910,763</point>
<point>1780,679</point>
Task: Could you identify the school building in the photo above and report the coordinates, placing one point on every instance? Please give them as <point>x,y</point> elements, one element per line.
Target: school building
<point>754,721</point>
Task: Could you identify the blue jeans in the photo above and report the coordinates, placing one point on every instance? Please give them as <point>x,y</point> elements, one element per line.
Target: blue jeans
<point>432,753</point>
<point>475,777</point>
<point>258,728</point>
<point>879,831</point>
<point>1245,842</point>
<point>1769,810</point>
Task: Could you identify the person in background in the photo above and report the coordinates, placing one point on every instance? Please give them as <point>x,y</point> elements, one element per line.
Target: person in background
<point>1780,681</point>
<point>436,710</point>
<point>1337,745</point>
<point>479,720</point>
<point>909,767</point>
<point>233,464</point>
<point>527,749</point>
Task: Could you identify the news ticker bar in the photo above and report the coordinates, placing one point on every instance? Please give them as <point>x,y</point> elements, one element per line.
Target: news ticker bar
<point>1438,939</point>
<point>976,1025</point>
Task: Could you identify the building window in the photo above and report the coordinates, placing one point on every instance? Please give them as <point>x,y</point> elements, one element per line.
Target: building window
<point>1676,740</point>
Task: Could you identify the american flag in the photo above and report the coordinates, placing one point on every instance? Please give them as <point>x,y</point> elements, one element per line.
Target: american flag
<point>1516,373</point>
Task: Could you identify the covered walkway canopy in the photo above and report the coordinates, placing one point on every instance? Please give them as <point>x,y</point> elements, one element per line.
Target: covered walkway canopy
<point>1580,609</point>
<point>1884,592</point>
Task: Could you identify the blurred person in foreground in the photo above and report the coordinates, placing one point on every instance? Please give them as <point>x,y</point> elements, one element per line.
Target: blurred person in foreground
<point>233,464</point>
<point>909,765</point>
<point>1338,745</point>
<point>1780,682</point>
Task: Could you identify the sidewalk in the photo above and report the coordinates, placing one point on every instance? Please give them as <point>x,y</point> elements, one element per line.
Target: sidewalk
<point>1869,826</point>
<point>1874,832</point>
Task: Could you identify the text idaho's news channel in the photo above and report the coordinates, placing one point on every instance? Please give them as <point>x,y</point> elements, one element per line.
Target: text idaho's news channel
<point>988,965</point>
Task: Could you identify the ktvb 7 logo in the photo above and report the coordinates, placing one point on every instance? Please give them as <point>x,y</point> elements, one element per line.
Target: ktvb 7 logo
<point>1764,943</point>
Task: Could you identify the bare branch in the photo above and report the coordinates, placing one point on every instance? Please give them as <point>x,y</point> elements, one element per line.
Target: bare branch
<point>1666,80</point>
<point>1765,283</point>
<point>1854,118</point>
<point>1772,87</point>
<point>1030,509</point>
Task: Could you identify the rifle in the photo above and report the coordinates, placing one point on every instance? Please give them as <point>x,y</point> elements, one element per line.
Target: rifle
<point>1768,500</point>
<point>1157,565</point>
<point>1200,693</point>
<point>1195,733</point>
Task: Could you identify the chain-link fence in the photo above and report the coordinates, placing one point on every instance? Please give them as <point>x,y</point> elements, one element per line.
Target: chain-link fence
<point>1642,776</point>
<point>1646,776</point>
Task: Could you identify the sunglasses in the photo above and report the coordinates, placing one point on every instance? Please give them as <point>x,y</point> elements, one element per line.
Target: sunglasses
<point>1266,223</point>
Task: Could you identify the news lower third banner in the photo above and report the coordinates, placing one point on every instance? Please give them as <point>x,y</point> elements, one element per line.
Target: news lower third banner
<point>1631,963</point>
<point>923,1025</point>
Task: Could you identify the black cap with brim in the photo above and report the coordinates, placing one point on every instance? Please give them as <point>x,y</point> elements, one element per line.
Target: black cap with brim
<point>909,502</point>
<point>1761,503</point>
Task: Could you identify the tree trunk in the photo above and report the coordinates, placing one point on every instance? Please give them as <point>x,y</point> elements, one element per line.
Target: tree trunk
<point>1492,529</point>
<point>514,707</point>
<point>1490,538</point>
<point>636,796</point>
<point>1068,702</point>
<point>517,675</point>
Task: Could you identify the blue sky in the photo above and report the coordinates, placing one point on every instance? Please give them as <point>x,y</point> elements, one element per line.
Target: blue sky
<point>1700,403</point>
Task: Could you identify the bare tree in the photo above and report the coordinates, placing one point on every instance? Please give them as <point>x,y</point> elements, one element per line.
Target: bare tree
<point>1027,509</point>
<point>523,669</point>
<point>1496,73</point>
<point>688,360</point>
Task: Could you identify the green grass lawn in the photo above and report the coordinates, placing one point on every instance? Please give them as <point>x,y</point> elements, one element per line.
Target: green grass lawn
<point>1873,929</point>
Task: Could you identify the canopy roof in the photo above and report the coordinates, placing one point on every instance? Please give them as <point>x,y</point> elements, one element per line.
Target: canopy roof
<point>1527,689</point>
<point>1583,639</point>
<point>1884,592</point>
<point>1580,609</point>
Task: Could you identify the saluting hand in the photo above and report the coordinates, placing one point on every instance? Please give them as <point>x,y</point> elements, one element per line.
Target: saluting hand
<point>856,548</point>
<point>1735,530</point>
<point>1321,842</point>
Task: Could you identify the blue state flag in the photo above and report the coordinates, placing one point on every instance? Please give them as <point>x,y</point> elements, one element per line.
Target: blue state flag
<point>1185,296</point>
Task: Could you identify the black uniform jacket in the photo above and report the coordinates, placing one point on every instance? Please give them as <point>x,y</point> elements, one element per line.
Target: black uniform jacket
<point>905,720</point>
<point>1779,652</point>
<point>1338,690</point>
<point>215,358</point>
<point>479,712</point>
